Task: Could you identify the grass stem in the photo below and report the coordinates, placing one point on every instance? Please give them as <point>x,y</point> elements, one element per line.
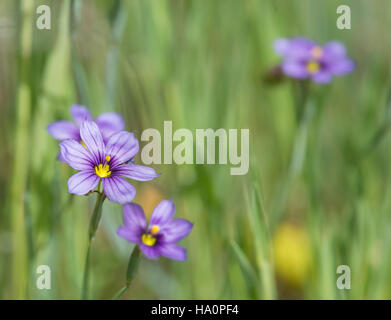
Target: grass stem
<point>131,272</point>
<point>94,224</point>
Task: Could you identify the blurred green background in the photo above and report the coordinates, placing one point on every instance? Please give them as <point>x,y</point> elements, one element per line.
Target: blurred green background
<point>318,193</point>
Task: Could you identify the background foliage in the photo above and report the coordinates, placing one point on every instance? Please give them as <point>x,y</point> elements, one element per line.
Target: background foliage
<point>318,193</point>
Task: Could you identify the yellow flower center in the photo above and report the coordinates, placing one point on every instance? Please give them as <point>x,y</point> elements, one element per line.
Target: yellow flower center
<point>154,229</point>
<point>313,67</point>
<point>317,52</point>
<point>148,239</point>
<point>103,170</point>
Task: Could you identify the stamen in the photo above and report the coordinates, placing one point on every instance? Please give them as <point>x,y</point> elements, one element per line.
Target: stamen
<point>82,143</point>
<point>103,171</point>
<point>154,229</point>
<point>148,239</point>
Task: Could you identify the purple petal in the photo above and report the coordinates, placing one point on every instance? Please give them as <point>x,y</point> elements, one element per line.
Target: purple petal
<point>82,182</point>
<point>294,69</point>
<point>334,50</point>
<point>176,230</point>
<point>130,234</point>
<point>134,215</point>
<point>162,213</point>
<point>341,67</point>
<point>150,252</point>
<point>110,123</point>
<point>136,172</point>
<point>122,146</point>
<point>62,130</point>
<point>281,46</point>
<point>60,157</point>
<point>119,190</point>
<point>298,48</point>
<point>77,156</point>
<point>80,114</point>
<point>322,77</point>
<point>173,251</point>
<point>92,138</point>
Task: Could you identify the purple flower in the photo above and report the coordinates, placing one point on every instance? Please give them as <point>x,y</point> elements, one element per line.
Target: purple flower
<point>304,59</point>
<point>97,160</point>
<point>160,236</point>
<point>108,123</point>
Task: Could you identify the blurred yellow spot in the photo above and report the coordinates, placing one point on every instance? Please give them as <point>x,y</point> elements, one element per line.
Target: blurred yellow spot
<point>107,158</point>
<point>313,67</point>
<point>317,52</point>
<point>103,171</point>
<point>148,197</point>
<point>155,229</point>
<point>148,239</point>
<point>292,254</point>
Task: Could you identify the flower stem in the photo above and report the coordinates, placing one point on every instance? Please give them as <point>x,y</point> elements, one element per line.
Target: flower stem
<point>131,272</point>
<point>305,108</point>
<point>94,223</point>
<point>120,292</point>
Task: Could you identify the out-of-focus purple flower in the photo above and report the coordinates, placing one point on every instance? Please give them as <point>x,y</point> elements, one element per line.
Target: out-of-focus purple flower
<point>109,123</point>
<point>97,160</point>
<point>303,58</point>
<point>160,236</point>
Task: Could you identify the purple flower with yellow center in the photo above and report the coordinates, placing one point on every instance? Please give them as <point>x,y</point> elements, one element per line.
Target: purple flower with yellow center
<point>304,59</point>
<point>159,237</point>
<point>108,123</point>
<point>98,161</point>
